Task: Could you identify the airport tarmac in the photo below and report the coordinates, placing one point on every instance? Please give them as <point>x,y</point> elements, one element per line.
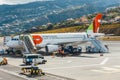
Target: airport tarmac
<point>84,67</point>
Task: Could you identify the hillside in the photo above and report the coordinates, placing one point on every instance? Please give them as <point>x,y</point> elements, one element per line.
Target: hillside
<point>63,30</point>
<point>110,24</point>
<point>106,28</point>
<point>19,18</point>
<point>111,29</point>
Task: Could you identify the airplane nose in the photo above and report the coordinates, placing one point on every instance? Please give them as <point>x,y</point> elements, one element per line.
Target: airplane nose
<point>13,44</point>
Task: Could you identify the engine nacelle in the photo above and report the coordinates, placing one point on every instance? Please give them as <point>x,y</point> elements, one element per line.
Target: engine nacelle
<point>51,48</point>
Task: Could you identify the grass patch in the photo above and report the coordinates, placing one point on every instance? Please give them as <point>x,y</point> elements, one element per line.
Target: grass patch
<point>62,30</point>
<point>111,38</point>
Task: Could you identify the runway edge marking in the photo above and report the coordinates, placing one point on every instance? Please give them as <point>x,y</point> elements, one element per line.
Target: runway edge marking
<point>104,61</point>
<point>70,67</point>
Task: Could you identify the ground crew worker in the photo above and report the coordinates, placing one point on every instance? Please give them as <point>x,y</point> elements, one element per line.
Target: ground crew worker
<point>59,52</point>
<point>62,53</point>
<point>5,60</point>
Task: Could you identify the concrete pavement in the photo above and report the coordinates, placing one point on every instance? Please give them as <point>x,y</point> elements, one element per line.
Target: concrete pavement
<point>84,67</point>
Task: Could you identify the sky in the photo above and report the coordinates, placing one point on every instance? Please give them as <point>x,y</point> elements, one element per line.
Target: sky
<point>13,2</point>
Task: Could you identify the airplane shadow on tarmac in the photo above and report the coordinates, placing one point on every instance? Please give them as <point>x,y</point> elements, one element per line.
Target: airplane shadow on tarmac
<point>11,56</point>
<point>88,56</point>
<point>81,55</point>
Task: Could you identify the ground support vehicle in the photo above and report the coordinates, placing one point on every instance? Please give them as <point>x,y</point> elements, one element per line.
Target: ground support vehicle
<point>90,49</point>
<point>3,61</point>
<point>70,50</point>
<point>33,70</point>
<point>36,58</point>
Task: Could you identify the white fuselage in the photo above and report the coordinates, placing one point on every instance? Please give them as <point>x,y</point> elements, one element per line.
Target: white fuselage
<point>60,38</point>
<point>50,39</point>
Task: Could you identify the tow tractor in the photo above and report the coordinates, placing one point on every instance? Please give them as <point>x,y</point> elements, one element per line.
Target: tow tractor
<point>32,70</point>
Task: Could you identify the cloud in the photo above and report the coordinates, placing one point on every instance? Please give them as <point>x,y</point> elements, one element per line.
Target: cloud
<point>11,2</point>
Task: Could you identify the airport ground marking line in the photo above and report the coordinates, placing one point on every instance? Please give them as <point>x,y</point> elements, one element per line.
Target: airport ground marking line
<point>56,77</point>
<point>69,61</point>
<point>15,74</point>
<point>102,71</point>
<point>107,70</point>
<point>28,78</point>
<point>104,61</point>
<point>69,67</point>
<point>110,69</point>
<point>117,66</point>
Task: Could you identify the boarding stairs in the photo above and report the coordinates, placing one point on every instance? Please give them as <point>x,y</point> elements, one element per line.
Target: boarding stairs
<point>29,46</point>
<point>99,46</point>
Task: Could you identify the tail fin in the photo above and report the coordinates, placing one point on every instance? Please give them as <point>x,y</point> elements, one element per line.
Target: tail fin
<point>94,27</point>
<point>96,23</point>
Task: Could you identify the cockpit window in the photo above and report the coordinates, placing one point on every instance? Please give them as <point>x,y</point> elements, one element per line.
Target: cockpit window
<point>15,39</point>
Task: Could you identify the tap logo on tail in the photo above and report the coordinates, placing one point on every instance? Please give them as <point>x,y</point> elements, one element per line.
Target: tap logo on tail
<point>96,23</point>
<point>94,27</point>
<point>37,39</point>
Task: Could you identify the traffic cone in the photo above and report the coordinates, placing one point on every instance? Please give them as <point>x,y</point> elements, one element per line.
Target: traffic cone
<point>101,54</point>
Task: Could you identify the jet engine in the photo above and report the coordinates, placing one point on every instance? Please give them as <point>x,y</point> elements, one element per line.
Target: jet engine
<point>51,48</point>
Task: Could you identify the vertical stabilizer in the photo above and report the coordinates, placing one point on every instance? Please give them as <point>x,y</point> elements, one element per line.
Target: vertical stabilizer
<point>96,23</point>
<point>94,27</point>
<point>90,28</point>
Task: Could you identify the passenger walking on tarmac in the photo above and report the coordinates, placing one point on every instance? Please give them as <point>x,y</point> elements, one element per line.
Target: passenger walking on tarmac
<point>59,52</point>
<point>5,60</point>
<point>62,51</point>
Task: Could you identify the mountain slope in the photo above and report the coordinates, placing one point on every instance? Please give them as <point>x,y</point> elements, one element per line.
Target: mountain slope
<point>18,18</point>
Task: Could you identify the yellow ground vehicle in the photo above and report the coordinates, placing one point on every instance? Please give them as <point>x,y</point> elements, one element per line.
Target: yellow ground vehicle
<point>3,61</point>
<point>33,70</point>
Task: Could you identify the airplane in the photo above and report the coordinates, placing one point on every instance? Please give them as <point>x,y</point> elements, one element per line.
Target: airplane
<point>52,41</point>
